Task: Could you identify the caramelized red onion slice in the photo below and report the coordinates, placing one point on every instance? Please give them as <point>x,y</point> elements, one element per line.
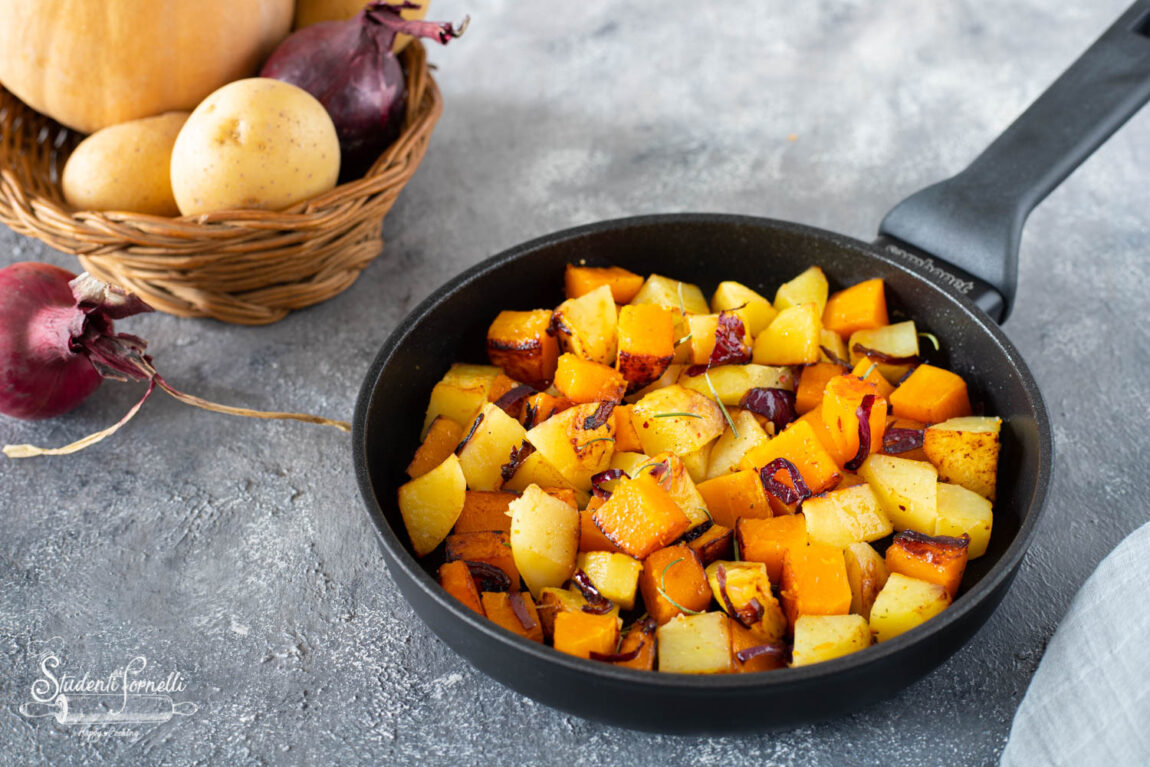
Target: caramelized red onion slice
<point>729,347</point>
<point>899,440</point>
<point>530,413</point>
<point>721,577</point>
<point>777,405</point>
<point>615,657</point>
<point>512,399</point>
<point>474,426</point>
<point>835,358</point>
<point>515,599</point>
<point>746,654</point>
<point>863,414</point>
<point>597,604</point>
<point>487,576</point>
<point>883,357</point>
<point>602,478</point>
<point>518,456</point>
<point>599,417</point>
<point>799,492</point>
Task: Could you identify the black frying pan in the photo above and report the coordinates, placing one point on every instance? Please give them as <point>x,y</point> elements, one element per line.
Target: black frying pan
<point>949,258</point>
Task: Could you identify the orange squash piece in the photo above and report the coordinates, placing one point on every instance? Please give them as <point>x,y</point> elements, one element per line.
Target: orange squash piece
<point>443,436</point>
<point>640,517</point>
<point>581,280</point>
<point>734,495</point>
<point>519,343</point>
<point>580,633</point>
<point>768,541</point>
<point>484,510</point>
<point>799,445</point>
<point>500,386</point>
<point>867,370</point>
<point>591,538</point>
<point>714,543</point>
<point>491,547</point>
<point>935,559</point>
<point>812,382</point>
<point>815,419</point>
<point>641,638</point>
<point>646,343</point>
<point>814,582</point>
<point>859,307</point>
<point>456,580</point>
<point>673,580</point>
<point>931,395</point>
<point>583,381</point>
<point>839,412</point>
<point>742,638</point>
<point>497,605</point>
<point>539,407</point>
<point>626,438</point>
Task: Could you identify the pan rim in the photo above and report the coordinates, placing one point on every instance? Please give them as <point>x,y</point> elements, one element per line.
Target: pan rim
<point>398,556</point>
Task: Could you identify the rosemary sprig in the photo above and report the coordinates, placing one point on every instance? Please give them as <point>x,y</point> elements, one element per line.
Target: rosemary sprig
<point>597,439</point>
<point>932,338</point>
<point>715,394</point>
<point>676,414</point>
<point>662,589</point>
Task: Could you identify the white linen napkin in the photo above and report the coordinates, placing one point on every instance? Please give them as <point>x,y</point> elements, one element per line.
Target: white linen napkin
<point>1089,701</point>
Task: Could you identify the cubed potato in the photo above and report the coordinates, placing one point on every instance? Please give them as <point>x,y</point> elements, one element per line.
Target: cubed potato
<point>460,394</point>
<point>809,287</point>
<point>821,638</point>
<point>431,503</point>
<point>792,338</point>
<point>676,420</point>
<point>743,590</point>
<point>442,438</point>
<point>907,490</point>
<point>520,344</point>
<point>830,341</point>
<point>615,576</point>
<point>670,376</point>
<point>485,457</point>
<point>490,547</point>
<point>456,580</point>
<point>965,451</point>
<point>696,462</point>
<point>537,470</point>
<point>964,512</point>
<point>758,311</point>
<point>544,539</point>
<point>646,344</point>
<point>581,634</point>
<point>904,603</point>
<point>672,293</point>
<point>581,280</point>
<point>586,325</point>
<point>641,517</point>
<point>695,644</point>
<point>673,582</point>
<point>578,442</point>
<point>732,382</point>
<point>937,559</point>
<point>846,516</point>
<point>815,582</point>
<point>897,340</point>
<point>768,541</point>
<point>629,462</point>
<point>866,574</point>
<point>514,611</point>
<point>733,444</point>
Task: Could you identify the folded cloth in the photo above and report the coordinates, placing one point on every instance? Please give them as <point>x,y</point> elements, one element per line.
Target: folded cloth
<point>1089,701</point>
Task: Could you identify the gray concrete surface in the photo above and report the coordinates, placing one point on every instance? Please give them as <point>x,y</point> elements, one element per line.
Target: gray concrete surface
<point>236,552</point>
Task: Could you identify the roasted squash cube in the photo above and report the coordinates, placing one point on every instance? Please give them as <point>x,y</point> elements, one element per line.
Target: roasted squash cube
<point>580,634</point>
<point>732,496</point>
<point>581,280</point>
<point>799,445</point>
<point>442,438</point>
<point>583,381</point>
<point>695,644</point>
<point>815,582</point>
<point>703,329</point>
<point>931,395</point>
<point>485,510</point>
<point>757,655</point>
<point>591,538</point>
<point>768,541</point>
<point>904,603</point>
<point>514,611</point>
<point>456,580</point>
<point>821,638</point>
<point>641,517</point>
<point>860,307</point>
<point>431,503</point>
<point>553,601</point>
<point>842,402</point>
<point>673,582</point>
<point>716,542</point>
<point>812,384</point>
<point>940,560</point>
<point>646,343</point>
<point>676,480</point>
<point>490,547</point>
<point>639,639</point>
<point>519,342</point>
<point>540,406</point>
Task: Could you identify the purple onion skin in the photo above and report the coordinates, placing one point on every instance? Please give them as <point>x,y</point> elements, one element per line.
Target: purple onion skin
<point>350,68</point>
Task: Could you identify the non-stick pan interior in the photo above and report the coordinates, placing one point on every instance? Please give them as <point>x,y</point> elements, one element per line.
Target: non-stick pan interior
<point>705,249</point>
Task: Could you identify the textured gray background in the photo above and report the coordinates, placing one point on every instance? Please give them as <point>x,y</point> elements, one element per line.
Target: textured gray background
<point>237,552</point>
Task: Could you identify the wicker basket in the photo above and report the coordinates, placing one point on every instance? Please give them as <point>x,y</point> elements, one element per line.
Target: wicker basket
<point>245,266</point>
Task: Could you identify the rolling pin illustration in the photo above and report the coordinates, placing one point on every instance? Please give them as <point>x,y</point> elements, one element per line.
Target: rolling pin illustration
<point>94,708</point>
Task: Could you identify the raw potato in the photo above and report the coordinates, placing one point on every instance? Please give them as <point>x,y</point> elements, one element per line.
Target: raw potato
<point>255,143</point>
<point>125,167</point>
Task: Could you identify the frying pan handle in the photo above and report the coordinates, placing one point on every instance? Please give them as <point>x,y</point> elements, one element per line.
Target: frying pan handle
<point>974,220</point>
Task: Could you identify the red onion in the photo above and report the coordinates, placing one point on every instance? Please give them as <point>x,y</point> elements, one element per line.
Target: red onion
<point>863,415</point>
<point>57,344</point>
<point>799,492</point>
<point>883,357</point>
<point>777,405</point>
<point>350,67</point>
<point>602,478</point>
<point>516,459</point>
<point>597,604</point>
<point>512,400</point>
<point>729,347</point>
<point>600,416</point>
<point>897,440</point>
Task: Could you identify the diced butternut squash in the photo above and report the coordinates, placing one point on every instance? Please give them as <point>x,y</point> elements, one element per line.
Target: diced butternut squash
<point>490,547</point>
<point>846,516</point>
<point>501,609</point>
<point>520,344</point>
<point>812,383</point>
<point>732,382</point>
<point>442,438</point>
<point>580,633</point>
<point>544,539</point>
<point>641,517</point>
<point>646,344</point>
<point>456,580</point>
<point>673,581</point>
<point>734,295</point>
<point>486,455</point>
<point>614,575</point>
<point>757,654</point>
<point>768,541</point>
<point>866,574</point>
<point>591,538</point>
<point>460,394</point>
<point>581,280</point>
<point>729,449</point>
<point>586,325</point>
<point>716,542</point>
<point>821,638</point>
<point>897,340</point>
<point>799,445</point>
<point>540,406</point>
<point>859,307</point>
<point>965,452</point>
<point>931,395</point>
<point>679,485</point>
<point>743,591</point>
<point>501,386</point>
<point>583,381</point>
<point>578,442</point>
<point>815,582</point>
<point>626,438</point>
<point>868,371</point>
<point>907,490</point>
<point>842,401</point>
<point>431,503</point>
<point>964,512</point>
<point>703,329</point>
<point>904,603</point>
<point>809,287</point>
<point>485,510</point>
<point>640,639</point>
<point>672,293</point>
<point>671,375</point>
<point>695,644</point>
<point>792,338</point>
<point>940,560</point>
<point>676,420</point>
<point>732,496</point>
<point>552,602</point>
